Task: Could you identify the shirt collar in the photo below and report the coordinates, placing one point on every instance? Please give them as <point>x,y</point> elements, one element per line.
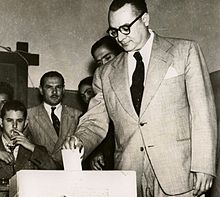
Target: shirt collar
<point>145,52</point>
<point>48,107</point>
<point>146,47</point>
<point>57,111</point>
<point>5,143</point>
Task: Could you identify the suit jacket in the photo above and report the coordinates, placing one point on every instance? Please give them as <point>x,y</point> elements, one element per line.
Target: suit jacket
<point>23,161</point>
<point>43,133</point>
<point>106,148</point>
<point>215,190</point>
<point>177,122</point>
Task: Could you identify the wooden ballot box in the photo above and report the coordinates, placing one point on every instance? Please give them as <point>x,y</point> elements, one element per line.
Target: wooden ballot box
<point>38,183</point>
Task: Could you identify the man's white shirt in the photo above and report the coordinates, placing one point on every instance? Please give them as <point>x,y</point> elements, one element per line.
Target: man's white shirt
<point>145,53</point>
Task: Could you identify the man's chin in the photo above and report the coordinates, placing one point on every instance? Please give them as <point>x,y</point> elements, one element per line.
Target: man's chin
<point>128,48</point>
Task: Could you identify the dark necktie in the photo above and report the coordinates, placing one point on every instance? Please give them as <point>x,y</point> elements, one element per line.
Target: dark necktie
<point>137,86</point>
<point>11,147</point>
<point>56,122</point>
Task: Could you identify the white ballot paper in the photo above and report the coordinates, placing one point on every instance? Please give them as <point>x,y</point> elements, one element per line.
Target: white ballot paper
<point>59,183</point>
<point>72,159</point>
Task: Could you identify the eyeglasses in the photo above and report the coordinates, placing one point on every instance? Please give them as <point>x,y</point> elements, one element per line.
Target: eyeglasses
<point>124,29</point>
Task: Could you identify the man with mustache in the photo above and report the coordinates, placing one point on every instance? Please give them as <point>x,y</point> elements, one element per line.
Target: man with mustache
<point>50,122</point>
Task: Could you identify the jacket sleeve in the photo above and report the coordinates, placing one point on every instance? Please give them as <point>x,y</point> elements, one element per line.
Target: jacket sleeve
<point>203,112</point>
<point>41,157</point>
<point>43,160</point>
<point>93,125</point>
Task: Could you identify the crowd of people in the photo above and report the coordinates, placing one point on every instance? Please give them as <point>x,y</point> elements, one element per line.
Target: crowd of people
<point>149,108</point>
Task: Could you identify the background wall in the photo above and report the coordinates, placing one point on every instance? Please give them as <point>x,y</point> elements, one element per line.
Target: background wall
<point>62,31</point>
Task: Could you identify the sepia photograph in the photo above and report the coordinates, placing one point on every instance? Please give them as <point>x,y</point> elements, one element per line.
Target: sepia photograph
<point>109,98</point>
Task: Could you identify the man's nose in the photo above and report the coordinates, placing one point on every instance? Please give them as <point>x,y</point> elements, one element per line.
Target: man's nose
<point>54,90</point>
<point>14,126</point>
<point>121,36</point>
<point>104,61</point>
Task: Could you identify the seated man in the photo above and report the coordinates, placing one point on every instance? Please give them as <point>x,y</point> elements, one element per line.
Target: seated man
<point>16,150</point>
<point>51,122</point>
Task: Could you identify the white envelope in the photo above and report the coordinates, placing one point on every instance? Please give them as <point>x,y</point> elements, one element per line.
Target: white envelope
<point>72,159</point>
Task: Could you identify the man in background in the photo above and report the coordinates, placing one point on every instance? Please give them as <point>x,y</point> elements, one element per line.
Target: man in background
<point>17,151</point>
<point>105,49</point>
<point>102,157</point>
<point>85,92</point>
<point>51,122</point>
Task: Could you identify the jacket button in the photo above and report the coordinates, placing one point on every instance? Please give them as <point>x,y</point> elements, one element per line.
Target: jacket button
<point>141,149</point>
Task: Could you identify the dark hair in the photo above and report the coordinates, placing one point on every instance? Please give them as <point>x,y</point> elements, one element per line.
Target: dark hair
<point>7,89</point>
<point>109,42</point>
<point>49,75</point>
<point>85,81</point>
<point>14,105</point>
<point>140,5</point>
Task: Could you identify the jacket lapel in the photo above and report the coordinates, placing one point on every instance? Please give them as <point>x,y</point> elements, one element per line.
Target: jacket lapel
<point>22,158</point>
<point>159,63</point>
<point>120,84</point>
<point>65,125</point>
<point>44,120</point>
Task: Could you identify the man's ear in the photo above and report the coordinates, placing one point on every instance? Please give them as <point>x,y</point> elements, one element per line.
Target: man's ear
<point>1,124</point>
<point>63,89</point>
<point>146,19</point>
<point>25,123</point>
<point>41,90</point>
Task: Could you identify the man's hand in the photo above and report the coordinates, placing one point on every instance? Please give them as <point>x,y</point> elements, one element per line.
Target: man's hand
<point>202,183</point>
<point>72,142</point>
<point>20,139</point>
<point>97,162</point>
<point>6,157</point>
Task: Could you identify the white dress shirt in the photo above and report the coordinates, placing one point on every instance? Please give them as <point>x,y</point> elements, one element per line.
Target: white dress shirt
<point>57,111</point>
<point>145,53</point>
<point>5,143</point>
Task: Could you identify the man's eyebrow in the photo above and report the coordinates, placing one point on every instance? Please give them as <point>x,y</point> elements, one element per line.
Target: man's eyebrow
<point>20,119</point>
<point>8,118</point>
<point>107,54</point>
<point>104,56</point>
<point>47,85</point>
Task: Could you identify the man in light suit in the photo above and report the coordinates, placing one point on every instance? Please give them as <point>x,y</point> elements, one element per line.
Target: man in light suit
<point>46,130</point>
<point>161,103</point>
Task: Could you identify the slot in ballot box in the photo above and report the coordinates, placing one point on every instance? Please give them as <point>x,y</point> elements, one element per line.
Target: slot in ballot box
<point>47,183</point>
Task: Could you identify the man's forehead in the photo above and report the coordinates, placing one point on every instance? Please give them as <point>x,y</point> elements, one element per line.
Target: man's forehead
<point>85,87</point>
<point>14,114</point>
<point>123,15</point>
<point>53,80</point>
<point>101,52</point>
